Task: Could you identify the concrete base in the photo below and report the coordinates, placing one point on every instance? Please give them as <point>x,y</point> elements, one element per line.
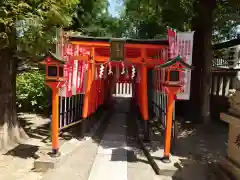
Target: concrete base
<point>54,154</point>
<point>156,150</point>
<point>46,162</point>
<point>166,160</point>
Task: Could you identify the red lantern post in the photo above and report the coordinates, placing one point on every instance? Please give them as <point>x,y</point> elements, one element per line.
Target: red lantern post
<point>172,85</point>
<point>54,79</point>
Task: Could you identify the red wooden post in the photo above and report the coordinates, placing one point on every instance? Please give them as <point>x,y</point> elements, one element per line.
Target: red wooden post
<point>55,121</point>
<point>55,118</point>
<point>168,130</point>
<point>87,98</point>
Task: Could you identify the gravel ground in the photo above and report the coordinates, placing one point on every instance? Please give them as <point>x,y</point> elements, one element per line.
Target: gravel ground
<point>200,146</point>
<point>17,164</point>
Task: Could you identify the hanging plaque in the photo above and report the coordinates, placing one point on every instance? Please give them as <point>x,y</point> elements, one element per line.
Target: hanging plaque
<point>117,49</point>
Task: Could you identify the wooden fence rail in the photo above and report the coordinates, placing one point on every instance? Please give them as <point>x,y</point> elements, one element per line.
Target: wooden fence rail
<point>70,110</point>
<point>222,82</point>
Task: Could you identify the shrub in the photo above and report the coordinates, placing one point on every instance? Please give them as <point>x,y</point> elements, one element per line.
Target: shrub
<point>32,94</point>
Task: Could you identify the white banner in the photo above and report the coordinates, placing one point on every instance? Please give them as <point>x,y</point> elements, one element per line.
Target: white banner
<point>74,82</point>
<point>62,92</point>
<point>185,46</point>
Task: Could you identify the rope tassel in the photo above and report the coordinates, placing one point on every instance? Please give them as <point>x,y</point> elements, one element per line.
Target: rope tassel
<point>110,68</point>
<point>133,71</point>
<point>123,69</point>
<point>101,71</point>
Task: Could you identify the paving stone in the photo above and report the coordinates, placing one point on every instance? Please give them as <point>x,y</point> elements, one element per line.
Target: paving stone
<point>77,166</point>
<point>114,137</point>
<point>109,167</point>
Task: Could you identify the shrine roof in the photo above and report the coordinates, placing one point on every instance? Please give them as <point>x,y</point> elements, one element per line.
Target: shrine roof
<point>53,56</point>
<point>171,62</point>
<point>127,40</point>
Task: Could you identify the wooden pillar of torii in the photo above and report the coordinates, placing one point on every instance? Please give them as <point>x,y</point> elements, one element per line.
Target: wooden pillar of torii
<point>89,83</point>
<point>144,94</point>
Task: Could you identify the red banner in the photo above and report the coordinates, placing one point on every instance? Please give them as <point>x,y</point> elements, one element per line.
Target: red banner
<point>69,75</point>
<point>172,40</point>
<point>80,77</point>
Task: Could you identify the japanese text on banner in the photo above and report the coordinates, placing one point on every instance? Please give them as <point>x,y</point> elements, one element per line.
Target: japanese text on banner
<point>185,47</point>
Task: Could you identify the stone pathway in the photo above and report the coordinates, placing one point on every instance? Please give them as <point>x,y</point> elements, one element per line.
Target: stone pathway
<point>115,158</point>
<point>111,159</point>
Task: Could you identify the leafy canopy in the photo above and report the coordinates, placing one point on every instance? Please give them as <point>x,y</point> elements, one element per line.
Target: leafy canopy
<point>31,24</point>
<point>150,18</point>
<point>93,19</point>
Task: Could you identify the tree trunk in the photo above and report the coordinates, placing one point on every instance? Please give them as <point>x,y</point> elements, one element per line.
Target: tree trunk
<point>10,131</point>
<point>195,97</point>
<point>202,59</point>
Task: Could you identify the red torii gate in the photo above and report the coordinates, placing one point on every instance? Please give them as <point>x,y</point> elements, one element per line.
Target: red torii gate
<point>144,53</point>
<point>141,53</point>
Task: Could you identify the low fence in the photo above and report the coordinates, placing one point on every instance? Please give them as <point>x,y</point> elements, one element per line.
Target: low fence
<point>123,90</point>
<point>159,105</point>
<point>226,64</point>
<point>70,110</point>
<point>222,81</point>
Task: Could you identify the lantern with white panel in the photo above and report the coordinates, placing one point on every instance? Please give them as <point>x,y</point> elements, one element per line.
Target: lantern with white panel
<point>55,79</point>
<point>54,70</point>
<point>172,84</point>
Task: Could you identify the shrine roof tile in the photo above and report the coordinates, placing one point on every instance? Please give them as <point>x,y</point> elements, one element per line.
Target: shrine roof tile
<point>171,62</point>
<point>129,41</point>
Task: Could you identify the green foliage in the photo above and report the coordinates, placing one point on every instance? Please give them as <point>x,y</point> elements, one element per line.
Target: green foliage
<point>32,94</point>
<point>106,26</point>
<point>93,19</point>
<point>226,18</point>
<point>34,23</point>
<point>143,19</point>
<point>148,19</point>
<point>88,11</point>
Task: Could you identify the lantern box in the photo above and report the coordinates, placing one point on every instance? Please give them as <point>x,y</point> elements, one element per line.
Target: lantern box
<point>54,68</point>
<point>117,49</point>
<point>173,69</point>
